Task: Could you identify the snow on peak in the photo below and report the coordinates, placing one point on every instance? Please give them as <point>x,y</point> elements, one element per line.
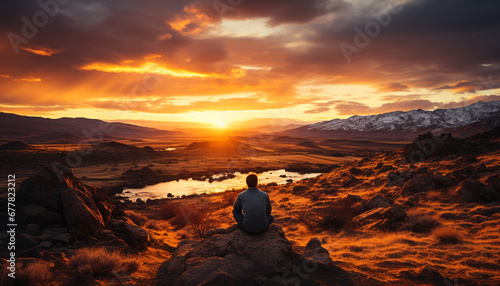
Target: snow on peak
<point>410,120</point>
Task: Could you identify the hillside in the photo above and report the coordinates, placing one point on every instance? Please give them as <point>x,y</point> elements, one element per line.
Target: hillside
<point>69,130</point>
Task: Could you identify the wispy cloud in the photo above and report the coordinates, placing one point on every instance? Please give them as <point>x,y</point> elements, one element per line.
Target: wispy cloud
<point>41,51</point>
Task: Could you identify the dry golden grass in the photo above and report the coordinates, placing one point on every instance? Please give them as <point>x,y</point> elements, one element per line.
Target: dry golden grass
<point>90,263</point>
<point>137,218</point>
<point>35,273</point>
<point>309,219</point>
<point>229,197</point>
<point>200,220</point>
<point>447,235</point>
<point>420,221</point>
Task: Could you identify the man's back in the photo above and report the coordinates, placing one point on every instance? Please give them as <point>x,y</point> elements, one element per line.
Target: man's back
<point>256,207</point>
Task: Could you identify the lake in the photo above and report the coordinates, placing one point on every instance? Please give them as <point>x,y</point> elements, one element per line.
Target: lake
<point>190,186</point>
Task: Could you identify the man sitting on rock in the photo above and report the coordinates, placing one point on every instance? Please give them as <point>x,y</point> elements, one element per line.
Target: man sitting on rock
<point>256,206</point>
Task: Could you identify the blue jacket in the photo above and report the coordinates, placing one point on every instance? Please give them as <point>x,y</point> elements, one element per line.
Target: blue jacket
<point>256,207</point>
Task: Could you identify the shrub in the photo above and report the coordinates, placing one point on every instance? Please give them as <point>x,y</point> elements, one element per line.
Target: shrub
<point>336,218</point>
<point>309,219</point>
<point>200,220</point>
<point>420,221</point>
<point>229,197</point>
<point>88,263</point>
<point>175,213</point>
<point>167,211</point>
<point>447,235</point>
<point>35,273</point>
<point>339,215</point>
<point>137,218</point>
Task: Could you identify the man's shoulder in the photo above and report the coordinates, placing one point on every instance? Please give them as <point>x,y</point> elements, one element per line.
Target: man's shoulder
<point>253,192</point>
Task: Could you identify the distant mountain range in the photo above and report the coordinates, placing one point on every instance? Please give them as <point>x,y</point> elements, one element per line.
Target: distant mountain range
<point>462,122</point>
<point>35,130</point>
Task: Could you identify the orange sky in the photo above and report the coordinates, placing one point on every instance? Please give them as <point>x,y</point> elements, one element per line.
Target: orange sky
<point>254,63</point>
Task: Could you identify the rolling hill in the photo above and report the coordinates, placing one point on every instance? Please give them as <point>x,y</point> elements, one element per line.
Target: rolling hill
<point>70,130</point>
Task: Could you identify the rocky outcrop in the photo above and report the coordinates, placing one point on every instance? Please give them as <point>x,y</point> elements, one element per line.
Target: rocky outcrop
<point>379,201</point>
<point>237,258</point>
<point>472,190</point>
<point>136,236</point>
<point>56,193</point>
<point>81,212</point>
<point>60,212</point>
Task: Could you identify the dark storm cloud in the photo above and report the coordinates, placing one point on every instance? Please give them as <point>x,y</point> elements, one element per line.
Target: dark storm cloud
<point>283,11</point>
<point>92,30</point>
<point>446,41</point>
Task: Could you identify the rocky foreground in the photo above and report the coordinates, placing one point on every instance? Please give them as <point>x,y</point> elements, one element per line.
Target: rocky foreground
<point>426,214</point>
<point>233,257</point>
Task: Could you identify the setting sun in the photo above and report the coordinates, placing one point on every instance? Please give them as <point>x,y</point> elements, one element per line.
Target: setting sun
<point>221,124</point>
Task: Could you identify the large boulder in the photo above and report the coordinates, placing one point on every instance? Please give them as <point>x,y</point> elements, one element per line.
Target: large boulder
<point>55,196</point>
<point>239,258</point>
<point>379,201</point>
<point>471,190</point>
<point>41,215</point>
<point>317,253</point>
<point>44,188</point>
<point>421,183</point>
<point>80,211</point>
<point>134,235</point>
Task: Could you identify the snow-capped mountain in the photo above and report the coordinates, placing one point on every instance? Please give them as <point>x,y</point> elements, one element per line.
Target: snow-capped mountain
<point>463,121</point>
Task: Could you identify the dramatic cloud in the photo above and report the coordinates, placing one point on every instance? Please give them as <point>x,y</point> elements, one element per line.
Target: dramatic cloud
<point>176,57</point>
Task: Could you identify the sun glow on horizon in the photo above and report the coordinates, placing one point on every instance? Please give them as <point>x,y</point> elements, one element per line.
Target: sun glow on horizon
<point>220,124</point>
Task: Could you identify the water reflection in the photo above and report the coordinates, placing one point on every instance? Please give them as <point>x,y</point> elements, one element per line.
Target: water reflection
<point>190,186</point>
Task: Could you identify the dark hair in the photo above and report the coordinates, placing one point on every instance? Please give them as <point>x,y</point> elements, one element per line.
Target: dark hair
<point>252,180</point>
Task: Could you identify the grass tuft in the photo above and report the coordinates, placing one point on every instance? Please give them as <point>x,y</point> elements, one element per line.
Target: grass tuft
<point>90,263</point>
<point>229,197</point>
<point>420,221</point>
<point>447,235</point>
<point>137,218</point>
<point>35,273</point>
